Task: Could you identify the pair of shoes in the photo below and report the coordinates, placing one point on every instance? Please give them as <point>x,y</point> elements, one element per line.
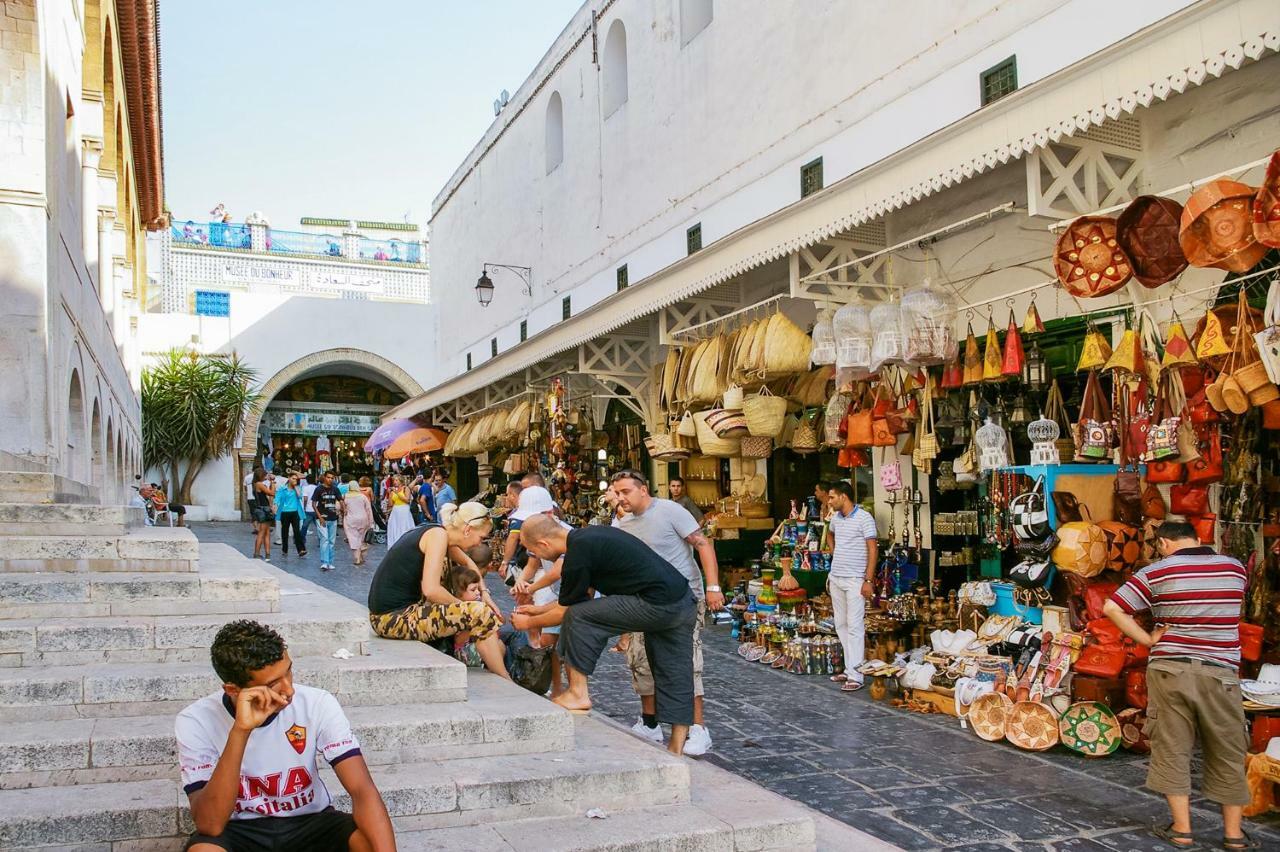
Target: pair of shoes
<point>698,742</point>
<point>640,729</point>
<point>326,567</point>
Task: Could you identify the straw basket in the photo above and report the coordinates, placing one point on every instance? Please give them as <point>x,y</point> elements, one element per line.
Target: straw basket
<point>1255,382</point>
<point>663,448</point>
<point>1032,726</point>
<point>988,714</point>
<point>733,398</point>
<point>756,447</point>
<point>765,413</point>
<point>712,444</point>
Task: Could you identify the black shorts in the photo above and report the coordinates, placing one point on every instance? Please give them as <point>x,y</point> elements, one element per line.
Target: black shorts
<point>262,516</point>
<point>326,831</point>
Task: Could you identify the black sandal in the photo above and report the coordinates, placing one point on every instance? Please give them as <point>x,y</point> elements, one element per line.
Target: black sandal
<point>1168,835</point>
<point>1244,841</point>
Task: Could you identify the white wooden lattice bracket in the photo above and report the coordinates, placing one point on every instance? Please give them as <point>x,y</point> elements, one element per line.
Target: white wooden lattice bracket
<point>830,271</point>
<point>1088,171</point>
<point>696,311</point>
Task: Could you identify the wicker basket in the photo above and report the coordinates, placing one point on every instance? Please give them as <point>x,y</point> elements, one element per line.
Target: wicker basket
<point>756,447</point>
<point>733,398</point>
<point>664,448</point>
<point>712,444</point>
<point>765,413</point>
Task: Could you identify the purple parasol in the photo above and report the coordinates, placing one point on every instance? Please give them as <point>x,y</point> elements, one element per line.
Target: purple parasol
<point>386,433</point>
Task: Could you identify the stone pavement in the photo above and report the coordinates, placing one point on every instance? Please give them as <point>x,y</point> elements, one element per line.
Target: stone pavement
<point>917,781</point>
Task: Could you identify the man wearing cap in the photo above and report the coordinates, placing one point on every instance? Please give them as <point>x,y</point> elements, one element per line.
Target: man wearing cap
<point>674,535</point>
<point>1195,596</point>
<point>538,583</point>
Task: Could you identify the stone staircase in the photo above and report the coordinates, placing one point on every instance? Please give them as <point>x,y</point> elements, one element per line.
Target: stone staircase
<point>98,652</point>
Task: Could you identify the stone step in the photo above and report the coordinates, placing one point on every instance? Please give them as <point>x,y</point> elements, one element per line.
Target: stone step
<point>394,672</point>
<point>497,718</point>
<point>148,549</point>
<point>73,519</point>
<point>21,486</point>
<point>601,771</point>
<point>237,589</point>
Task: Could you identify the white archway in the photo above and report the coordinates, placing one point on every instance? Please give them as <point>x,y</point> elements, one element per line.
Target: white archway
<point>76,441</point>
<point>555,132</point>
<point>615,69</point>
<point>97,459</point>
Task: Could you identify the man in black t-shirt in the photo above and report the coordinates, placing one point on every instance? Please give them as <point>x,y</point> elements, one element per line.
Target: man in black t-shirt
<point>328,504</point>
<point>642,592</point>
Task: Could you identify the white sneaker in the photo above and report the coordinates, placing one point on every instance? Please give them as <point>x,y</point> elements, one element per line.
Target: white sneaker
<point>698,741</point>
<point>640,729</point>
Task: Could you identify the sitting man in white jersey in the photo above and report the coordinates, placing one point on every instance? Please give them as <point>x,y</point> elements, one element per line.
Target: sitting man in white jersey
<point>248,758</point>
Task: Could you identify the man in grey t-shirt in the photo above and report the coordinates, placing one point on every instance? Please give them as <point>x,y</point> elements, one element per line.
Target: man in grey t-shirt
<point>671,532</point>
<point>680,496</point>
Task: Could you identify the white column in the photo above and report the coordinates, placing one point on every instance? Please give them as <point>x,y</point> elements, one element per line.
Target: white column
<point>91,154</point>
<point>106,262</point>
<point>257,236</point>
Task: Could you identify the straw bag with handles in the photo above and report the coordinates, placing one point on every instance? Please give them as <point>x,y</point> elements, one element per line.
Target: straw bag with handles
<point>709,442</point>
<point>764,413</point>
<point>756,447</point>
<point>805,437</point>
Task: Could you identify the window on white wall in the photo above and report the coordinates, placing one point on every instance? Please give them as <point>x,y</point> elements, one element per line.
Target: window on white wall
<point>555,132</point>
<point>694,17</point>
<point>615,68</point>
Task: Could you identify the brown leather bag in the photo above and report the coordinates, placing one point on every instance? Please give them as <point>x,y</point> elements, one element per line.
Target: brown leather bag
<point>1066,507</point>
<point>1126,504</point>
<point>1153,507</point>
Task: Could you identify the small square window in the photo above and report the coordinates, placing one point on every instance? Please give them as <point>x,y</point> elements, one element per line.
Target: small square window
<point>524,330</point>
<point>493,347</point>
<point>468,360</point>
<point>810,178</point>
<point>999,80</point>
<point>566,310</point>
<point>622,277</point>
<point>693,239</point>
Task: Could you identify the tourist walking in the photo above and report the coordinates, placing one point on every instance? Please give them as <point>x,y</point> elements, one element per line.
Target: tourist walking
<point>852,579</point>
<point>642,593</point>
<point>408,598</point>
<point>357,520</point>
<point>441,491</point>
<point>674,535</point>
<point>308,511</point>
<point>289,507</point>
<point>328,505</point>
<point>400,521</point>
<point>1193,688</point>
<point>425,502</point>
<point>262,512</point>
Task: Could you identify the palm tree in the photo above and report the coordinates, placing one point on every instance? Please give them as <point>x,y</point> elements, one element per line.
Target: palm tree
<point>193,409</point>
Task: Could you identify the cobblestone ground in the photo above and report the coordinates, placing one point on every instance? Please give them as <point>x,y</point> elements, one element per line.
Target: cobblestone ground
<point>918,781</point>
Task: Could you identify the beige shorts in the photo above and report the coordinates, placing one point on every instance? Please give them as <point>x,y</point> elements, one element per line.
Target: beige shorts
<point>1187,698</point>
<point>638,661</point>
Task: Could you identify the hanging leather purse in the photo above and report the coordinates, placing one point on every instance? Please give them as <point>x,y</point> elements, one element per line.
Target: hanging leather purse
<point>1187,499</point>
<point>1126,503</point>
<point>1206,527</point>
<point>858,426</point>
<point>1030,514</point>
<point>1153,502</point>
<point>1066,507</point>
<point>1095,431</point>
<point>1208,467</point>
<point>1032,573</point>
<point>1164,471</point>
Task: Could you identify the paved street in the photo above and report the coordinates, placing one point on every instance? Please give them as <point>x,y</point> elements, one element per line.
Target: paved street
<point>915,780</point>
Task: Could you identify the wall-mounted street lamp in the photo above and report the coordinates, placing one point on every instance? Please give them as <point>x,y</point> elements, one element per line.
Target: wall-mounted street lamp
<point>484,284</point>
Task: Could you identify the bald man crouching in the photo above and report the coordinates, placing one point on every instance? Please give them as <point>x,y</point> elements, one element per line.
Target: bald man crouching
<point>642,592</point>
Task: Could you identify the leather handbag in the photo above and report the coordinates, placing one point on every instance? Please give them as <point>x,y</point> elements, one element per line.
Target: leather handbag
<point>1153,503</point>
<point>1206,526</point>
<point>881,434</point>
<point>853,457</point>
<point>1187,499</point>
<point>1124,545</point>
<point>1106,690</point>
<point>1126,504</point>
<point>1165,471</point>
<point>1095,596</point>
<point>858,427</point>
<point>1067,507</point>
<point>1135,688</point>
<point>1030,514</point>
<point>1104,661</point>
<point>1032,573</point>
<point>1208,467</point>
<point>1095,433</point>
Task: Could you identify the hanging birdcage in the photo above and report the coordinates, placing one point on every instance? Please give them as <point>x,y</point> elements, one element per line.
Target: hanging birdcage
<point>1043,434</point>
<point>824,339</point>
<point>993,446</point>
<point>928,317</point>
<point>852,328</point>
<point>886,340</point>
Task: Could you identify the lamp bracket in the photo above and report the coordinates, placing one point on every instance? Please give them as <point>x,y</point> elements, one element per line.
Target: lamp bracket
<point>524,273</point>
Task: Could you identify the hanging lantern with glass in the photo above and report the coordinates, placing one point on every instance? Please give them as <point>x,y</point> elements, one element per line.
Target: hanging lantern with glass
<point>1044,434</point>
<point>928,325</point>
<point>824,339</point>
<point>1036,372</point>
<point>852,327</point>
<point>993,444</point>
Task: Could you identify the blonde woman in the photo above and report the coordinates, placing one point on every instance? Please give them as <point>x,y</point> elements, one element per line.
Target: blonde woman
<point>400,521</point>
<point>408,598</point>
<point>356,522</point>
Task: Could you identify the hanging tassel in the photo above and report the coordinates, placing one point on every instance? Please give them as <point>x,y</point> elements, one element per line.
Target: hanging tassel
<point>1014,357</point>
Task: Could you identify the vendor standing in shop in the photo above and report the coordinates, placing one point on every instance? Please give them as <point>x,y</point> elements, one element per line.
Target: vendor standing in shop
<point>674,535</point>
<point>1195,596</point>
<point>679,496</point>
<point>852,580</point>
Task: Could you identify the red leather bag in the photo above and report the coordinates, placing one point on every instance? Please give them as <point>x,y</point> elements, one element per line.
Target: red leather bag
<point>1250,641</point>
<point>1206,526</point>
<point>1106,661</point>
<point>1208,468</point>
<point>1164,471</point>
<point>1135,688</point>
<point>1105,631</point>
<point>1188,500</point>
<point>853,457</point>
<point>1095,595</point>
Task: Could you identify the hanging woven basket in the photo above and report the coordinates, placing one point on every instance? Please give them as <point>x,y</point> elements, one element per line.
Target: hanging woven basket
<point>712,444</point>
<point>765,413</point>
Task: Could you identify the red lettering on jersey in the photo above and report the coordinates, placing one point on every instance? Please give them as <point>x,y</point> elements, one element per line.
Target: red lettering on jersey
<point>297,781</point>
<point>268,786</point>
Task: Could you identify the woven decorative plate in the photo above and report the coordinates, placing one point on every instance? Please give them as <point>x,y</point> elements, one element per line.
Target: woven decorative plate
<point>1090,728</point>
<point>1089,260</point>
<point>1032,726</point>
<point>987,715</point>
<point>756,653</point>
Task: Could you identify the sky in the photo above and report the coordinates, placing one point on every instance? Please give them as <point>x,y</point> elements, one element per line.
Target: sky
<point>336,109</point>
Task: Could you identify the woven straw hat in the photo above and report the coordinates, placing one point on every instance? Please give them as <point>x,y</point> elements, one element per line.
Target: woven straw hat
<point>1090,728</point>
<point>1217,227</point>
<point>1089,260</point>
<point>988,713</point>
<point>1032,726</point>
<point>1266,206</point>
<point>1147,231</point>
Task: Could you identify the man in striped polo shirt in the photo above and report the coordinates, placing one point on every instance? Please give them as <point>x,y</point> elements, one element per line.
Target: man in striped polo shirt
<point>852,579</point>
<point>1195,596</point>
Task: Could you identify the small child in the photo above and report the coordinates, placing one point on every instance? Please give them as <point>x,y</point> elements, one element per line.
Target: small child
<point>466,584</point>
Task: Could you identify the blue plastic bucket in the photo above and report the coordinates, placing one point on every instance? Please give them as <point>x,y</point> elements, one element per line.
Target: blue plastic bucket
<point>1006,605</point>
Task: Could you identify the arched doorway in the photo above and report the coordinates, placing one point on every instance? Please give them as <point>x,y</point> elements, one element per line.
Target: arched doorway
<point>97,460</point>
<point>111,490</point>
<point>74,463</point>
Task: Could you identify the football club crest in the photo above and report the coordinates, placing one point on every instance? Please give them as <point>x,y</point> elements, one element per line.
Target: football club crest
<point>297,737</point>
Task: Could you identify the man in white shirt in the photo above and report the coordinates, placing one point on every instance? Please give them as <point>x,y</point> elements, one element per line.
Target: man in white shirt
<point>671,532</point>
<point>248,496</point>
<point>852,579</point>
<point>248,757</point>
<point>308,512</point>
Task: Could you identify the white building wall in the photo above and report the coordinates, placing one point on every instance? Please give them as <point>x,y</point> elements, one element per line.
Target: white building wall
<point>715,131</point>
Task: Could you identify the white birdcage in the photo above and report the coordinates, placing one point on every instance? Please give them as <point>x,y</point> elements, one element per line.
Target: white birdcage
<point>852,327</point>
<point>993,446</point>
<point>824,339</point>
<point>928,325</point>
<point>1043,434</point>
<point>886,340</point>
